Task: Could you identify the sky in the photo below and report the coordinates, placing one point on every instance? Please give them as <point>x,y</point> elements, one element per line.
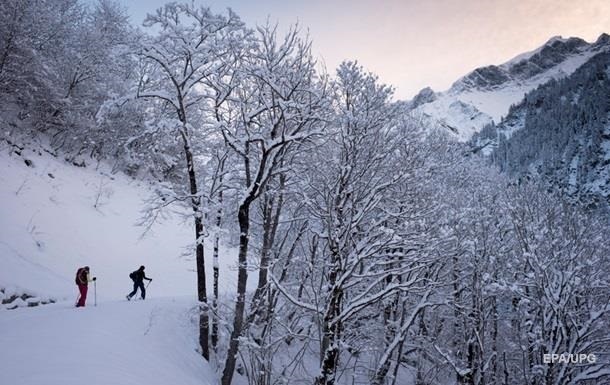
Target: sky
<point>415,44</point>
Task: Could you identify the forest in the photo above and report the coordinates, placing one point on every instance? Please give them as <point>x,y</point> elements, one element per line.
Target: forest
<point>381,251</point>
<point>559,134</point>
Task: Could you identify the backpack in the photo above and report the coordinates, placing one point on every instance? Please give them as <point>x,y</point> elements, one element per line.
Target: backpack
<point>79,272</point>
<point>132,275</point>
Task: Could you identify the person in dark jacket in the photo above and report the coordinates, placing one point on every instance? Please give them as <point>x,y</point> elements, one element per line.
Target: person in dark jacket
<point>82,281</point>
<point>138,278</point>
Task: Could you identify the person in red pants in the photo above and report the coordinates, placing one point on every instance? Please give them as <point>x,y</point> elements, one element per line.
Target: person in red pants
<point>82,281</point>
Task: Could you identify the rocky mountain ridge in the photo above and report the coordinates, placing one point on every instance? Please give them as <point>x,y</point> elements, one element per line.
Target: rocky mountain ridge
<point>486,94</point>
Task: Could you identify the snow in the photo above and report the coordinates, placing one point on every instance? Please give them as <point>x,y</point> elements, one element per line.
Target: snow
<point>605,146</point>
<point>48,228</point>
<point>466,110</point>
<point>142,342</point>
<point>529,54</point>
<point>573,171</point>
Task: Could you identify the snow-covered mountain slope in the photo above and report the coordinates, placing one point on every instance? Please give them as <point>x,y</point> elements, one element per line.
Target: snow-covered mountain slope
<point>560,132</point>
<point>486,93</point>
<point>150,342</point>
<point>55,217</point>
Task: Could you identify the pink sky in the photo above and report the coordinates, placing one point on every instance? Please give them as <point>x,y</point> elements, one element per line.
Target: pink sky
<point>414,44</point>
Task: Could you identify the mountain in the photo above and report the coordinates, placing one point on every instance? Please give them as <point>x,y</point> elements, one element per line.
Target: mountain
<point>560,132</point>
<point>486,94</point>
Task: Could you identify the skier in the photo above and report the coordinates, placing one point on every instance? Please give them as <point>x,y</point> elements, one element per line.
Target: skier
<point>138,278</point>
<point>82,281</point>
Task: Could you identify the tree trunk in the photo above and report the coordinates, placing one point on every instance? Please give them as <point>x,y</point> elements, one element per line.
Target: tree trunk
<point>242,278</point>
<point>331,332</point>
<point>197,213</point>
<point>495,375</point>
<point>271,219</point>
<point>458,330</point>
<point>331,338</point>
<point>216,271</point>
<point>391,320</point>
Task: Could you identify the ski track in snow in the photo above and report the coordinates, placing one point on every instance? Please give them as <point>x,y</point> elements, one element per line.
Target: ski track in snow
<point>149,342</point>
<point>48,228</point>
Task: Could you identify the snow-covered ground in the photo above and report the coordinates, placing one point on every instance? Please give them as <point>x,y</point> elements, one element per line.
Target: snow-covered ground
<point>49,226</point>
<point>150,342</point>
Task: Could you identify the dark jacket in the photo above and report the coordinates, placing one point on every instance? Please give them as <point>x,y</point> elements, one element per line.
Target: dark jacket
<point>82,277</point>
<point>139,276</point>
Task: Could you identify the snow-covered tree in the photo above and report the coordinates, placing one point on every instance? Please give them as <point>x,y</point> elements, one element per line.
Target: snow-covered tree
<point>192,44</point>
<point>356,191</point>
<point>280,105</point>
<point>561,288</point>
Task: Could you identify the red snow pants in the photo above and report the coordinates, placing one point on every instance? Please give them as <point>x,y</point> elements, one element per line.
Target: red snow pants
<point>83,295</point>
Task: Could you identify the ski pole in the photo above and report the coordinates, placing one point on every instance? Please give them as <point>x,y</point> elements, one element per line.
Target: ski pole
<point>148,284</point>
<point>95,293</point>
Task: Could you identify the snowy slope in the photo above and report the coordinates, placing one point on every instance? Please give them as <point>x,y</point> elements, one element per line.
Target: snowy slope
<point>486,93</point>
<point>149,342</point>
<point>49,227</point>
<point>560,133</point>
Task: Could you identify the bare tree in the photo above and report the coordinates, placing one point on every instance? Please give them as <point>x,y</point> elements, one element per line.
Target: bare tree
<point>353,194</point>
<point>562,291</point>
<point>281,106</point>
<point>193,43</point>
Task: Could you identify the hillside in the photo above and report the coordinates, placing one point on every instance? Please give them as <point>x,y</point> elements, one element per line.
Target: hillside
<point>561,133</point>
<point>485,94</point>
<point>299,223</point>
<point>56,217</point>
<point>149,342</point>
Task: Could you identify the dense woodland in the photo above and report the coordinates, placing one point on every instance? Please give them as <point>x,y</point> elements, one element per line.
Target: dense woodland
<point>560,133</point>
<point>382,251</point>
